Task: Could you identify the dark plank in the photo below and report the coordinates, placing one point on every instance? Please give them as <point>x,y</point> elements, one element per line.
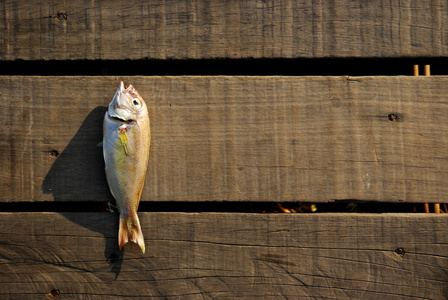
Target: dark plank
<point>314,139</point>
<point>156,29</point>
<point>306,256</point>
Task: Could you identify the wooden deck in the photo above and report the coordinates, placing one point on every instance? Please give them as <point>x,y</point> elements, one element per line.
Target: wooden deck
<point>214,256</point>
<point>172,29</point>
<point>226,139</point>
<point>271,139</point>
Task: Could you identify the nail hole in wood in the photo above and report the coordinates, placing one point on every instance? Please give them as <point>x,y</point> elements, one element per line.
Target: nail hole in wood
<point>55,293</point>
<point>61,16</point>
<point>54,153</point>
<point>392,117</point>
<point>400,251</point>
<point>113,258</point>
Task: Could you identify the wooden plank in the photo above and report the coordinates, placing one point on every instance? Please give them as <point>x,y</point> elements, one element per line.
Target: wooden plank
<point>313,139</point>
<point>306,256</point>
<point>173,29</point>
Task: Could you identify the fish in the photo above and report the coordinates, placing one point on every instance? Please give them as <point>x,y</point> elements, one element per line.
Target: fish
<point>126,142</point>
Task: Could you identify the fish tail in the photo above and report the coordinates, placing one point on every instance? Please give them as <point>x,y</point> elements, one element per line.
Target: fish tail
<point>130,230</point>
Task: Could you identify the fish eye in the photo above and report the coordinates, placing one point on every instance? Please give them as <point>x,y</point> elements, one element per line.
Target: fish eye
<point>136,102</point>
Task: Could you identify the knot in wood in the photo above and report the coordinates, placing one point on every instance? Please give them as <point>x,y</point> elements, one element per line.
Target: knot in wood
<point>54,153</point>
<point>392,117</point>
<point>400,251</point>
<point>55,293</point>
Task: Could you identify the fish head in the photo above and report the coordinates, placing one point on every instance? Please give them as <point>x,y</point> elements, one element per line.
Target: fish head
<point>127,105</point>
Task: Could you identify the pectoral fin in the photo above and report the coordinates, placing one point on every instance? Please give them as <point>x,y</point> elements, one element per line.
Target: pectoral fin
<point>124,139</point>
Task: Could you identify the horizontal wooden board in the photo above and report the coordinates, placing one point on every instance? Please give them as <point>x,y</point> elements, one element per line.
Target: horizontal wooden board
<point>173,29</point>
<point>214,256</point>
<point>275,139</point>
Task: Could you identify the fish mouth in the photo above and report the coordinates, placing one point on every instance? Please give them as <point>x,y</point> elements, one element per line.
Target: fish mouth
<point>121,119</point>
<point>119,112</point>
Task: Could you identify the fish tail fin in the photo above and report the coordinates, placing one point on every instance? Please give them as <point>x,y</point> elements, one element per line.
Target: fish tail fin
<point>130,230</point>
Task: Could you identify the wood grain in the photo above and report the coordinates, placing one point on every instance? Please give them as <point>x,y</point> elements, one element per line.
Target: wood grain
<point>189,256</point>
<point>172,29</point>
<point>276,139</point>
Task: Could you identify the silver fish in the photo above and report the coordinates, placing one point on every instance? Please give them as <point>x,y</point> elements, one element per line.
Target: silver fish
<point>126,140</point>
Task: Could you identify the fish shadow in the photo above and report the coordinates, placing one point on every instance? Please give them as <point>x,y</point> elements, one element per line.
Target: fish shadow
<point>77,179</point>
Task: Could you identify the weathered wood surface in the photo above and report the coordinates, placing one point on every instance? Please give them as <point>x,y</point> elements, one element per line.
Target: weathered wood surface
<point>68,30</point>
<point>324,256</point>
<point>233,138</point>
